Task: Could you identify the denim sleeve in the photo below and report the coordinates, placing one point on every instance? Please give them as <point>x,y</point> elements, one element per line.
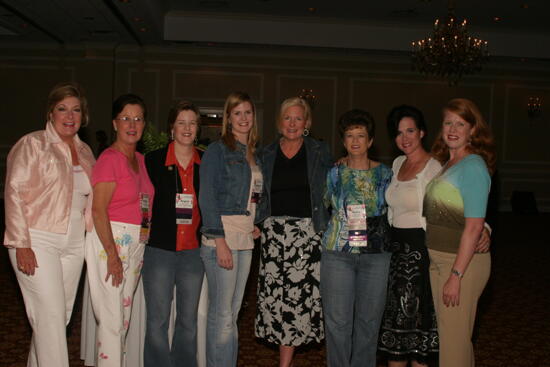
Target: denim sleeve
<point>210,178</point>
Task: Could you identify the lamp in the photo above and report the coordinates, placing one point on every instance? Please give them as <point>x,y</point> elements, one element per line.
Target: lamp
<point>534,107</point>
<point>308,96</point>
<point>449,52</point>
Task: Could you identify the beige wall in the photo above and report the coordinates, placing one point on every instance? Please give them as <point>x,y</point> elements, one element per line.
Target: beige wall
<point>340,80</point>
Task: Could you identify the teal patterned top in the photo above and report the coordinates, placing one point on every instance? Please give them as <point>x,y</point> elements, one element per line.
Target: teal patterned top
<point>348,186</point>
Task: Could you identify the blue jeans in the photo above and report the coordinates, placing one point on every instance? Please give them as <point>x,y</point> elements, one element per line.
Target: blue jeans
<point>225,294</point>
<point>162,270</point>
<point>353,291</point>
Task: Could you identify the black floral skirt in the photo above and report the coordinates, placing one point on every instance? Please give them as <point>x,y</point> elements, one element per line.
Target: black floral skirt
<point>289,302</point>
<point>409,327</point>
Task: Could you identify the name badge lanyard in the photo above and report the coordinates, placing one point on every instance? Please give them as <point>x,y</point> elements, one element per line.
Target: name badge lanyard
<point>183,205</point>
<point>144,203</point>
<point>357,223</point>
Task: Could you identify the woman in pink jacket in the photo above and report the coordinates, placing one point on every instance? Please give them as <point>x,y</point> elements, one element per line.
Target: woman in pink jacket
<point>47,202</point>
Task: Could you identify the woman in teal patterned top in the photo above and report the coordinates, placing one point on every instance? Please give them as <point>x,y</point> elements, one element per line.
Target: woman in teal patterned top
<point>355,261</point>
<point>454,206</point>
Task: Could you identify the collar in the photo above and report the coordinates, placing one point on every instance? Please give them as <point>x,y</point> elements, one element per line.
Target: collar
<point>53,138</point>
<point>171,157</point>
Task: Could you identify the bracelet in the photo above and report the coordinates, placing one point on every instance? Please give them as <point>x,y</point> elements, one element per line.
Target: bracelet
<point>457,273</point>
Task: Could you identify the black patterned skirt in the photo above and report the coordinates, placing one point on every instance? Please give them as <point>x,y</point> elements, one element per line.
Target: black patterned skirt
<point>409,327</point>
<point>289,302</point>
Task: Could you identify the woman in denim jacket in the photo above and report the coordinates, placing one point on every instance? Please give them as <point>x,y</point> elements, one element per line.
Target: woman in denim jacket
<point>230,189</point>
<point>295,168</point>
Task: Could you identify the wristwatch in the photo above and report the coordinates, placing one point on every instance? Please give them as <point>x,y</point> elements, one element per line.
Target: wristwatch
<point>457,273</point>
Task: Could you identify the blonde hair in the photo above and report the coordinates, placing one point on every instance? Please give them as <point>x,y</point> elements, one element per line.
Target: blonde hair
<point>291,102</point>
<point>68,89</point>
<point>233,100</point>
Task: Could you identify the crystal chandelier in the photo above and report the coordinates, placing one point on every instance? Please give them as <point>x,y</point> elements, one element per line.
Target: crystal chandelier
<point>449,52</point>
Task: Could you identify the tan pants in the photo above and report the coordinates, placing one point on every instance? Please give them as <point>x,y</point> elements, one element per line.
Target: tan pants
<point>456,324</point>
<point>113,305</point>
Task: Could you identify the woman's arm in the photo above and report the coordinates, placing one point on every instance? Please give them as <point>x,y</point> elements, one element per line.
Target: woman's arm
<point>103,193</point>
<point>466,249</point>
<point>21,168</point>
<point>210,171</point>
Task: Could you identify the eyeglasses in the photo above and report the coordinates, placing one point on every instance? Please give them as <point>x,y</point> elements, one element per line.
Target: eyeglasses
<point>128,119</point>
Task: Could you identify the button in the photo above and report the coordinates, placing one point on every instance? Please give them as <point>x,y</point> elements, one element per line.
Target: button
<point>247,213</point>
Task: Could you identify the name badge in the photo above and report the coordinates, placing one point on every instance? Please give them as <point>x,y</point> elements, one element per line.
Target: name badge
<point>144,203</point>
<point>357,225</point>
<point>184,208</point>
<point>257,189</point>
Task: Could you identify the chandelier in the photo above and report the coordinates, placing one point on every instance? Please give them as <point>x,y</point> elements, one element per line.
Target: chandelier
<point>449,52</point>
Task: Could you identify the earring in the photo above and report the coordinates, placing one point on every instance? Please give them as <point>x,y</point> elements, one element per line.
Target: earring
<point>115,129</point>
<point>172,134</point>
<point>306,132</point>
<point>196,141</point>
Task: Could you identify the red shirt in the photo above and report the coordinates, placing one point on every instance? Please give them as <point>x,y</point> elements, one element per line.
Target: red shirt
<point>186,238</point>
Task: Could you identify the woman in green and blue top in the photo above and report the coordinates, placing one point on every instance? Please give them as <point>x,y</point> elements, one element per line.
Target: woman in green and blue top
<point>355,261</point>
<point>454,206</point>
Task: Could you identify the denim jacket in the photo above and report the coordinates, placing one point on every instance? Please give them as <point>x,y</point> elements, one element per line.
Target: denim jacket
<point>224,186</point>
<point>319,162</point>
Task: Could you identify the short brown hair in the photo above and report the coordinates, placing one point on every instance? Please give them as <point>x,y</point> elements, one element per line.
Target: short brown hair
<point>64,90</point>
<point>482,142</point>
<point>179,106</point>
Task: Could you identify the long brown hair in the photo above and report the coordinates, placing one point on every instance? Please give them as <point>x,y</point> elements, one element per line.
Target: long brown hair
<point>481,140</point>
<point>233,100</point>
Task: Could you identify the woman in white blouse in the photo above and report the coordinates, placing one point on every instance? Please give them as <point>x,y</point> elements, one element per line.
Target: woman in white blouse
<point>409,329</point>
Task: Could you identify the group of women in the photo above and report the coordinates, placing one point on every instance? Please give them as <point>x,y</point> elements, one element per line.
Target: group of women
<point>364,255</point>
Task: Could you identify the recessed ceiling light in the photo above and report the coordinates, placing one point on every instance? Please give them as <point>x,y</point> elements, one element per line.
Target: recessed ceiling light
<point>524,6</point>
<point>497,19</point>
<point>311,10</point>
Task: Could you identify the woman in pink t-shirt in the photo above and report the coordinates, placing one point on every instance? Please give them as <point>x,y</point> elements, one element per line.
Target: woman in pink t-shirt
<point>123,199</point>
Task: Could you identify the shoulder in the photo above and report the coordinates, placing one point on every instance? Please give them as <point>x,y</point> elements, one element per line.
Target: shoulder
<point>398,162</point>
<point>86,152</point>
<point>109,157</point>
<point>157,154</point>
<point>473,163</point>
<point>433,167</point>
<point>386,170</point>
<point>30,139</point>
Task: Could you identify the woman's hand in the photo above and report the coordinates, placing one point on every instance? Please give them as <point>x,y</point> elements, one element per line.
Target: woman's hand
<point>256,232</point>
<point>26,260</point>
<point>223,254</point>
<point>451,291</point>
<point>114,270</point>
<point>484,242</point>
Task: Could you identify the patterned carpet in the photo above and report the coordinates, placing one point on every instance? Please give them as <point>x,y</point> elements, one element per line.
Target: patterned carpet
<point>513,327</point>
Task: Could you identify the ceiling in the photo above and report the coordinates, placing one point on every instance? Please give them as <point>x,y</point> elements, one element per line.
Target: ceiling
<point>514,28</point>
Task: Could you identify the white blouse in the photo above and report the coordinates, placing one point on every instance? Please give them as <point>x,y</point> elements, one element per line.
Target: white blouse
<point>405,198</point>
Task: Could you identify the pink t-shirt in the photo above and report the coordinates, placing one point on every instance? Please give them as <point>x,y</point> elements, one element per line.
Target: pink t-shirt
<point>112,166</point>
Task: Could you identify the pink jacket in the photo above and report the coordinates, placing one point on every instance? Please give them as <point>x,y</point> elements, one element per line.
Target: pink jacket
<point>39,185</point>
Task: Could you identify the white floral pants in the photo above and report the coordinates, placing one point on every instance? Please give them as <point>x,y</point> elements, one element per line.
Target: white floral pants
<point>113,305</point>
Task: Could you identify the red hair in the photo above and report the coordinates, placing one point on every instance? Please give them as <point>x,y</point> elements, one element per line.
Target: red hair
<point>481,140</point>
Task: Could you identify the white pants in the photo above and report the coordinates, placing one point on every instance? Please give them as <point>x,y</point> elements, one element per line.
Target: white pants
<point>113,305</point>
<point>49,294</point>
